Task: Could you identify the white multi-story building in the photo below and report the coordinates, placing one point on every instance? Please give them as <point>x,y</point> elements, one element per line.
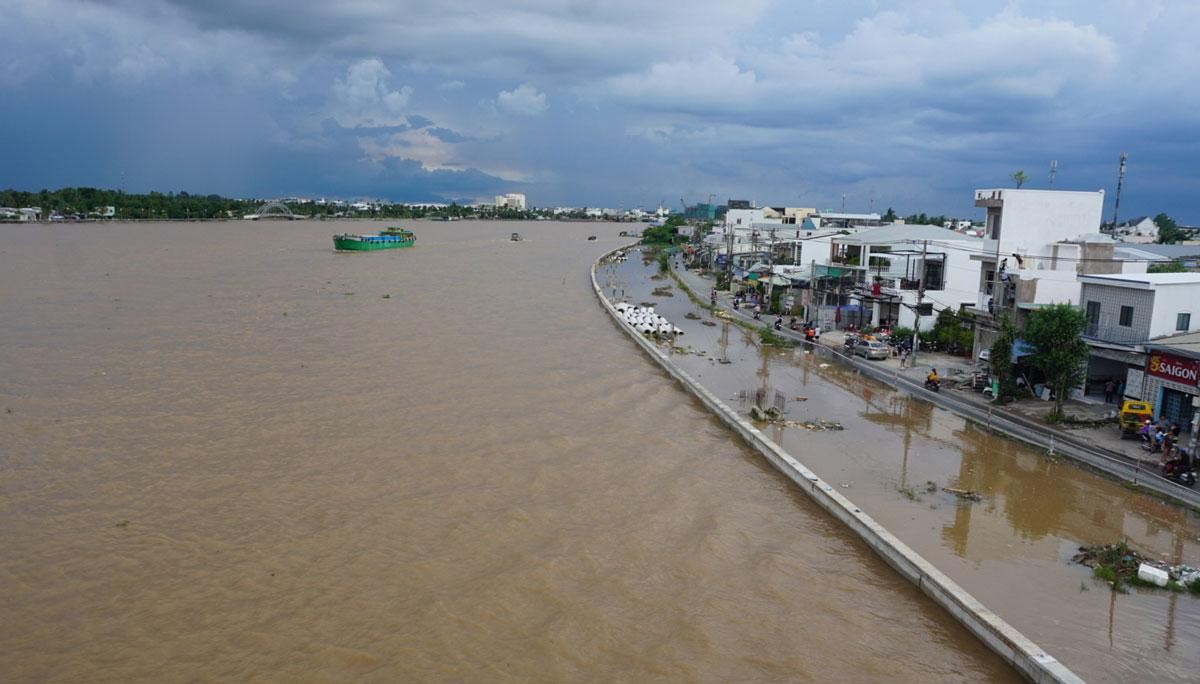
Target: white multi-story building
<point>744,218</point>
<point>888,263</point>
<point>512,200</point>
<point>1035,244</point>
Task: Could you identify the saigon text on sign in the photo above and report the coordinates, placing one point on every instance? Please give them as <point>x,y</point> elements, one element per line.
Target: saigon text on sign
<point>1185,371</point>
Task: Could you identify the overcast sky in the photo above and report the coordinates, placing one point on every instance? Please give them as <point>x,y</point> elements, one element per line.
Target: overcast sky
<point>910,105</point>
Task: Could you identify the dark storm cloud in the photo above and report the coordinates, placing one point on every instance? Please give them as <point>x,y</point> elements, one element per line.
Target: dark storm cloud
<point>590,103</point>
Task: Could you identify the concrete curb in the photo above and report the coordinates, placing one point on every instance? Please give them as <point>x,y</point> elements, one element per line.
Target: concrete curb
<point>1023,654</point>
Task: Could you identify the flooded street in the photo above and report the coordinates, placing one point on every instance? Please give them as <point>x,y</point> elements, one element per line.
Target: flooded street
<point>1011,550</point>
<point>228,452</point>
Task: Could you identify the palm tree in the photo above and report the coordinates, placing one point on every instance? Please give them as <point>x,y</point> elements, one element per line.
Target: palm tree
<point>1019,178</point>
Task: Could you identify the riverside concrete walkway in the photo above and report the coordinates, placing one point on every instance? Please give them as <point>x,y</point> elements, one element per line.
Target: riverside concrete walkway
<point>1099,448</point>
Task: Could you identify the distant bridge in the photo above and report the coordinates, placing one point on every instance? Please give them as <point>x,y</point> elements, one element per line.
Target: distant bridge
<point>274,210</point>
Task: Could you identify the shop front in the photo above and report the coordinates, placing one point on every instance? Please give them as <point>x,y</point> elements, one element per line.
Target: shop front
<point>1172,384</point>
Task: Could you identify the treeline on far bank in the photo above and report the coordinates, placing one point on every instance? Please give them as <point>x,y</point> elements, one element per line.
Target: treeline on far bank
<point>91,202</point>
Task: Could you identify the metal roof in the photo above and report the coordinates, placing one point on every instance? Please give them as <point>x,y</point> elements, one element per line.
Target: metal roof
<point>904,232</point>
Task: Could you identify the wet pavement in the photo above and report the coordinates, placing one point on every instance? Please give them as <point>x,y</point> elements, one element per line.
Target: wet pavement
<point>898,455</point>
<point>956,371</point>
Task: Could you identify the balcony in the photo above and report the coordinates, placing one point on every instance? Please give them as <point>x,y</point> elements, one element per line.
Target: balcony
<point>1113,334</point>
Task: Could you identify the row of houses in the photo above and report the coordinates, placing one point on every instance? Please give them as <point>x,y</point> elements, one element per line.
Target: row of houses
<point>21,214</point>
<point>1036,247</point>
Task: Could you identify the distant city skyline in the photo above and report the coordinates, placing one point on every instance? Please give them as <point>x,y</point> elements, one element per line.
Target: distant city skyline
<point>615,104</point>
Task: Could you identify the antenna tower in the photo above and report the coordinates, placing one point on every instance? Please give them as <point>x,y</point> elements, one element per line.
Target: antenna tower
<point>1120,182</point>
<point>1053,170</point>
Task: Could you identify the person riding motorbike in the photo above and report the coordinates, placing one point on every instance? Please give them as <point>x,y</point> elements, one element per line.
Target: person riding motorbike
<point>931,380</point>
<point>1146,433</point>
<point>779,323</point>
<point>1179,467</point>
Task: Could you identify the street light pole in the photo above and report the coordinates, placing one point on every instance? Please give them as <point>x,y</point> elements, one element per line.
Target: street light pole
<point>916,342</point>
<point>770,270</point>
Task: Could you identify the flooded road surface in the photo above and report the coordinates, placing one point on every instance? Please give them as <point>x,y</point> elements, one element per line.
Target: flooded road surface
<point>1011,550</point>
<point>227,452</point>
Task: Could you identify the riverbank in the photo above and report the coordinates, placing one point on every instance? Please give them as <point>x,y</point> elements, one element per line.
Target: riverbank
<point>1024,655</point>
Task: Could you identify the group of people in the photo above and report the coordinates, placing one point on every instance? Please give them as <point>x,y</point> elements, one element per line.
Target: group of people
<point>1162,439</point>
<point>1113,389</point>
<point>812,331</point>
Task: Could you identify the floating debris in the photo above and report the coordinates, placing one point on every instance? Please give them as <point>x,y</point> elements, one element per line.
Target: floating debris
<point>823,365</point>
<point>691,316</point>
<point>818,424</point>
<point>1118,566</point>
<point>710,324</point>
<point>965,494</point>
<point>662,292</point>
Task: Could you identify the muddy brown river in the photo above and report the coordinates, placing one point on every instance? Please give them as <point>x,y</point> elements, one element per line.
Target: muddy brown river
<point>228,452</point>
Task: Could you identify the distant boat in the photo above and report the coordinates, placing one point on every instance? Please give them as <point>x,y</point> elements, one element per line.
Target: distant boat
<point>388,238</point>
<point>591,237</point>
<point>515,237</point>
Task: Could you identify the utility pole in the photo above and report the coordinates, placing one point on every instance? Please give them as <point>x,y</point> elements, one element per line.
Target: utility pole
<point>770,270</point>
<point>729,256</point>
<point>916,343</point>
<point>754,252</point>
<point>813,292</point>
<point>1120,182</point>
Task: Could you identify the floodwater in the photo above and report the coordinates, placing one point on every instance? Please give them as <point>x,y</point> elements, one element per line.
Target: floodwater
<point>227,452</point>
<point>1011,550</point>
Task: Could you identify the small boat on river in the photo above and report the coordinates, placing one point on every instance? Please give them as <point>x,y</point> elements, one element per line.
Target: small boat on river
<point>388,238</point>
<point>515,237</point>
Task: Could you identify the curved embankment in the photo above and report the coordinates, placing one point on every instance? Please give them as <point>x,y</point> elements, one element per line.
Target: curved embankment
<point>1024,655</point>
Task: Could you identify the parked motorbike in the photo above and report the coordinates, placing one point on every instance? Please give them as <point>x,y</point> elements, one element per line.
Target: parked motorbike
<point>1151,442</point>
<point>1180,469</point>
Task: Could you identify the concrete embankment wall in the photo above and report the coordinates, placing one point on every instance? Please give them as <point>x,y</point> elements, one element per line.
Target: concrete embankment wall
<point>1024,655</point>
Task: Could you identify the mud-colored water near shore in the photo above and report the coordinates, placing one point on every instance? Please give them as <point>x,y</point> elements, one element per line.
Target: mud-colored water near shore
<point>227,452</point>
<point>1011,550</point>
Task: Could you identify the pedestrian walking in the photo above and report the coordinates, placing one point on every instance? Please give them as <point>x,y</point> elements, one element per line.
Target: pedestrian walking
<point>817,334</point>
<point>903,357</point>
<point>1110,388</point>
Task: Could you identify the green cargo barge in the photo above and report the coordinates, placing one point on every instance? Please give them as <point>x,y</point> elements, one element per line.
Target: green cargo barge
<point>390,238</point>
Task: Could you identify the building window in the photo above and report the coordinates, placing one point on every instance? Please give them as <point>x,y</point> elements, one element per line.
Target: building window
<point>1093,317</point>
<point>1127,316</point>
<point>1183,322</point>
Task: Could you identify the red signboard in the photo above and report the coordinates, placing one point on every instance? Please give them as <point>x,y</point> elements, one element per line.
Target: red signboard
<point>1185,371</point>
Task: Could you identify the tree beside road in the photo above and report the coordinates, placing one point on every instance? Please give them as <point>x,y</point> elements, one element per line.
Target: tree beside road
<point>1055,333</point>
